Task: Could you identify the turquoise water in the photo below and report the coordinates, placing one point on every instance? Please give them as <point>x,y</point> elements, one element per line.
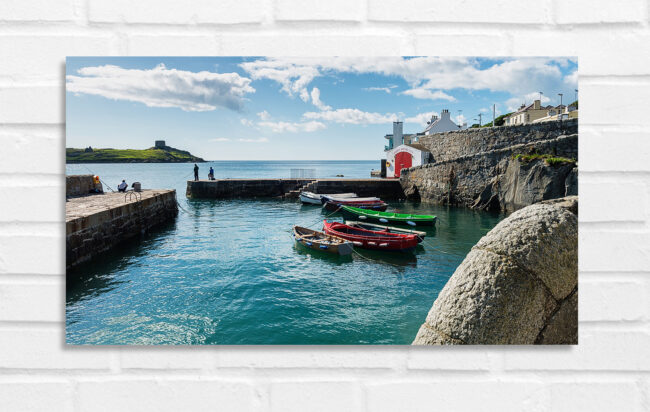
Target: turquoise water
<point>228,272</point>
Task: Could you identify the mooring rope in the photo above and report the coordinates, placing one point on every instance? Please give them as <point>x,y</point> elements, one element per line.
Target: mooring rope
<point>93,173</point>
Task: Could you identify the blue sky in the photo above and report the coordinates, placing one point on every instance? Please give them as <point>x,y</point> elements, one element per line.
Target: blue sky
<point>256,108</point>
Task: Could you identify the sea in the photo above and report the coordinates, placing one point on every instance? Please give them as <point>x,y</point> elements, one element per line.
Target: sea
<point>228,272</point>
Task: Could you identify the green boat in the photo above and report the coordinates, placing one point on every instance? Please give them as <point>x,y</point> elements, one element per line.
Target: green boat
<point>366,215</point>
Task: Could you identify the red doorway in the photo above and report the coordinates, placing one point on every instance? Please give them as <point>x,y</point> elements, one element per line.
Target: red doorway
<point>403,160</point>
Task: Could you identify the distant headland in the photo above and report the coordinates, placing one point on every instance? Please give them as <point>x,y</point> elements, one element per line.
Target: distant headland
<point>159,153</point>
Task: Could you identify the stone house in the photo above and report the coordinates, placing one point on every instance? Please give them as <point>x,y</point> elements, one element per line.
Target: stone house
<point>527,114</point>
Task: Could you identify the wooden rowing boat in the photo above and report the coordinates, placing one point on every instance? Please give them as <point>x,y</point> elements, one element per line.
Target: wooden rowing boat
<point>342,199</point>
<point>370,239</point>
<point>315,198</point>
<point>353,213</point>
<point>377,205</point>
<point>388,229</point>
<point>316,240</point>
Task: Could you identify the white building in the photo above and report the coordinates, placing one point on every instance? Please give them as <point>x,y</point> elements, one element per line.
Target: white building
<point>442,124</point>
<point>402,152</point>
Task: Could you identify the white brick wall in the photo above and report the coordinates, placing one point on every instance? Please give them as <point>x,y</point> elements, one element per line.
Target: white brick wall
<point>609,369</point>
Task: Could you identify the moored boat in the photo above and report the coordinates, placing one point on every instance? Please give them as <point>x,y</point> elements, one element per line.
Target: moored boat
<point>370,239</point>
<point>339,198</point>
<point>375,205</point>
<point>315,198</point>
<point>388,229</point>
<point>365,215</point>
<point>316,240</point>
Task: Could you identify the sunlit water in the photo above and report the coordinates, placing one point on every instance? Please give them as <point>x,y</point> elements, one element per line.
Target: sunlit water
<point>228,271</point>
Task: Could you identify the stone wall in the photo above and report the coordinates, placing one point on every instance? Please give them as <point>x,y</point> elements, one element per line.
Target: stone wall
<point>116,220</point>
<point>452,145</point>
<point>81,185</point>
<point>252,188</point>
<point>518,285</point>
<point>474,180</point>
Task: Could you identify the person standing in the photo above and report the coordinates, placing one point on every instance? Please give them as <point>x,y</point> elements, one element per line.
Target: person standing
<point>211,174</point>
<point>196,172</point>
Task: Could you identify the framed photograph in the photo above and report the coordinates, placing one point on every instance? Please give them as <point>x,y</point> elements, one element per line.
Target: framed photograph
<point>321,201</point>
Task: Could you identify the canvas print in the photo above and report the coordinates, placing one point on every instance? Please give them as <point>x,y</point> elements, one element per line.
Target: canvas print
<point>328,201</point>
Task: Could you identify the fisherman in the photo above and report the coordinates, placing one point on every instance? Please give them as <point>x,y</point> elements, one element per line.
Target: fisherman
<point>211,174</point>
<point>122,186</point>
<point>196,172</point>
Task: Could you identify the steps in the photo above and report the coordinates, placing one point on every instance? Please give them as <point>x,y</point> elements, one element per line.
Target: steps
<point>295,193</point>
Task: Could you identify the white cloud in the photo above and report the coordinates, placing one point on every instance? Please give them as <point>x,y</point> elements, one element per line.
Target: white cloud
<point>572,79</point>
<point>420,93</point>
<point>460,119</point>
<point>351,116</point>
<point>220,139</point>
<point>246,122</point>
<point>515,75</point>
<point>264,115</point>
<point>282,127</point>
<point>315,99</point>
<point>163,87</point>
<point>258,140</point>
<point>421,118</point>
<point>380,89</point>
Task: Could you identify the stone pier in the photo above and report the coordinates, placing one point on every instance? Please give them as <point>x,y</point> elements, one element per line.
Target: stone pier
<point>96,223</point>
<point>259,188</point>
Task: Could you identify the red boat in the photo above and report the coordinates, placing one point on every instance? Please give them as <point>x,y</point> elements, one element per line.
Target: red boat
<point>370,239</point>
<point>379,205</point>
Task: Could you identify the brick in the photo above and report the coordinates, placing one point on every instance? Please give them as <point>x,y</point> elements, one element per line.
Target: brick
<point>449,358</point>
<point>38,302</point>
<point>37,10</point>
<point>612,301</point>
<point>335,10</point>
<point>613,103</point>
<point>599,349</point>
<point>598,11</point>
<point>166,358</point>
<point>17,254</point>
<point>33,104</point>
<point>315,45</point>
<point>501,11</point>
<point>36,396</point>
<point>173,12</point>
<point>46,349</point>
<point>308,357</point>
<point>613,251</point>
<point>453,395</point>
<point>40,58</point>
<point>315,396</point>
<point>609,150</point>
<point>626,200</point>
<point>27,204</point>
<point>45,145</point>
<point>197,394</point>
<point>461,44</point>
<point>172,45</point>
<point>594,396</point>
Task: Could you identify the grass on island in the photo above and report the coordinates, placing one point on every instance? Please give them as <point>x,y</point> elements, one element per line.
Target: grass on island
<point>548,158</point>
<point>151,155</point>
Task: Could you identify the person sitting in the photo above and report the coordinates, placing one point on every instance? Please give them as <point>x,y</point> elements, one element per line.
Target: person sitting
<point>122,186</point>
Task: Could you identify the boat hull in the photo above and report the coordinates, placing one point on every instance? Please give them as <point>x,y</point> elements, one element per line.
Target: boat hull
<point>379,206</point>
<point>316,199</point>
<point>388,229</point>
<point>313,239</point>
<point>359,215</point>
<point>367,239</point>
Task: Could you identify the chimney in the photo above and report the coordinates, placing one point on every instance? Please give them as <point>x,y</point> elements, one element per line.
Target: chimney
<point>537,105</point>
<point>445,115</point>
<point>398,136</point>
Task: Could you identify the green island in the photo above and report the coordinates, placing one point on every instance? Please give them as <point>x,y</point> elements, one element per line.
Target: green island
<point>160,153</point>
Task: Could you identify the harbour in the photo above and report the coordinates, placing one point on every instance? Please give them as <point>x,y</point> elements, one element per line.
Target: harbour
<point>237,275</point>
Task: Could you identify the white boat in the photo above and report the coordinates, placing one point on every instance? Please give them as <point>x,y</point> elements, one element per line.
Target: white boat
<point>315,198</point>
<point>338,198</point>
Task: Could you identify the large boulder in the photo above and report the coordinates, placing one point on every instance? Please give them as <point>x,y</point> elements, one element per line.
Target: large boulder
<point>518,284</point>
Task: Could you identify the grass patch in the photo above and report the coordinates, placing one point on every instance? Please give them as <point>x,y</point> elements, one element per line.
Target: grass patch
<point>153,155</point>
<point>548,158</point>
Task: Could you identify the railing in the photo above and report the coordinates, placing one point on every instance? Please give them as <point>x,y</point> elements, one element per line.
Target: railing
<point>303,173</point>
